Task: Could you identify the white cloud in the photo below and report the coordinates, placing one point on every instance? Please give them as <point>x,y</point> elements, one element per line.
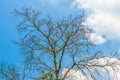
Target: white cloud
<point>106,73</point>
<point>105,18</point>
<point>96,39</point>
<point>74,75</point>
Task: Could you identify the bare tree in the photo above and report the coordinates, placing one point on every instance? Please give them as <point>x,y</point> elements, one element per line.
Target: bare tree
<point>9,72</point>
<point>50,45</point>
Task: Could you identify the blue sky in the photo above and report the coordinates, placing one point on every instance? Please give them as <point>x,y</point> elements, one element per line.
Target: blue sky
<point>56,8</point>
<point>8,50</point>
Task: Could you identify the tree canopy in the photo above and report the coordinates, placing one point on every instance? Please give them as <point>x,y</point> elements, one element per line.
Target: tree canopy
<point>51,45</point>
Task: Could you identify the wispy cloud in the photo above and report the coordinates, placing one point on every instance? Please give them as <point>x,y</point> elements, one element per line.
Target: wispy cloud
<point>105,18</point>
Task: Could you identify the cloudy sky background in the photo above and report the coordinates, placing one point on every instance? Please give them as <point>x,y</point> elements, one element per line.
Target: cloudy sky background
<point>105,17</point>
<point>104,20</point>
